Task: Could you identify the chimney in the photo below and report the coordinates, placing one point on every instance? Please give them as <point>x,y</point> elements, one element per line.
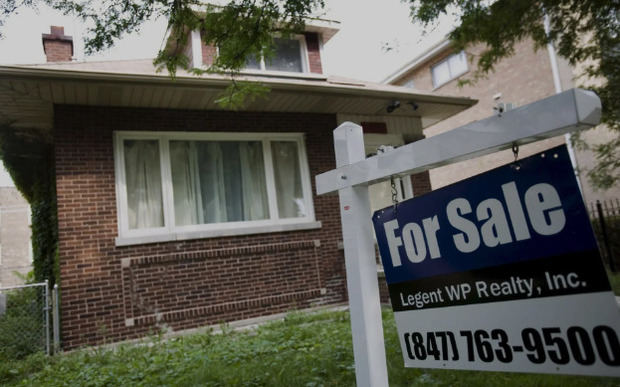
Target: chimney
<point>57,46</point>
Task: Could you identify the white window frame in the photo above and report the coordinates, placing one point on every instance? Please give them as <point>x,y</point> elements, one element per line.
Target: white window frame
<point>170,231</point>
<point>452,75</point>
<point>303,56</point>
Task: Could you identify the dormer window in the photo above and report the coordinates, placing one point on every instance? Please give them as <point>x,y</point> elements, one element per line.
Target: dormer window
<point>289,56</point>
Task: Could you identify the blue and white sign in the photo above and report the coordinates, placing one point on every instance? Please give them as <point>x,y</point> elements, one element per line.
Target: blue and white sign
<point>501,272</point>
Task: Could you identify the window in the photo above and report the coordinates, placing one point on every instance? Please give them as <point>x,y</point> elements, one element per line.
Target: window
<point>409,84</point>
<point>183,185</point>
<point>289,56</point>
<point>448,69</point>
<point>380,194</point>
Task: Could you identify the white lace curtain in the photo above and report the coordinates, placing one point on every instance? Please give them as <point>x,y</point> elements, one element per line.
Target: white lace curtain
<point>212,182</point>
<point>143,179</point>
<point>217,182</point>
<point>287,179</point>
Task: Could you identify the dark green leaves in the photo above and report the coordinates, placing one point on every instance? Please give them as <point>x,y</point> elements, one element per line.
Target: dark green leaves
<point>585,32</point>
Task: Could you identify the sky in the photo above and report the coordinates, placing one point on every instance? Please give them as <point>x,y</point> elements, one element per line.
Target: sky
<point>357,51</point>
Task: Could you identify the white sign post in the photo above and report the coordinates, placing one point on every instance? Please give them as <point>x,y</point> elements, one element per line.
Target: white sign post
<point>361,264</point>
<point>562,113</point>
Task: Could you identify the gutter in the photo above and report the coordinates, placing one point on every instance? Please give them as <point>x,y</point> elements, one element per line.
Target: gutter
<point>297,85</point>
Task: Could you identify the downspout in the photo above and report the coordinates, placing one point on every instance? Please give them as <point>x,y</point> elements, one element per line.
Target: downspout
<point>558,89</point>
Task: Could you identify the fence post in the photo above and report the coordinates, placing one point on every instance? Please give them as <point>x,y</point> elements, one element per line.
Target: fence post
<point>47,317</point>
<point>55,319</point>
<point>601,218</point>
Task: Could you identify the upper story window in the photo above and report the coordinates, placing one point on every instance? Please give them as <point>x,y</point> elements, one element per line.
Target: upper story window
<point>409,84</point>
<point>448,69</point>
<point>174,184</point>
<point>289,56</point>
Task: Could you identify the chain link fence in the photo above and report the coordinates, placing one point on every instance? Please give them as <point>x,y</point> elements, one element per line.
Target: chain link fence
<point>605,217</point>
<point>24,320</point>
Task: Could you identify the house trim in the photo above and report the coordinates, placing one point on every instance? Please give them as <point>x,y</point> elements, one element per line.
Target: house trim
<point>418,60</point>
<point>237,230</point>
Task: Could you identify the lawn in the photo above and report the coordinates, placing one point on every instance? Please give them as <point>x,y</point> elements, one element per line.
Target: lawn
<point>301,350</point>
<point>614,280</point>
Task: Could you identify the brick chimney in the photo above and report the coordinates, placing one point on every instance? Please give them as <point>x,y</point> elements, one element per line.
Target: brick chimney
<point>57,46</point>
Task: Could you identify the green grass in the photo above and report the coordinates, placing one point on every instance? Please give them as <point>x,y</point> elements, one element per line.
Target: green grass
<point>301,350</point>
<point>614,280</point>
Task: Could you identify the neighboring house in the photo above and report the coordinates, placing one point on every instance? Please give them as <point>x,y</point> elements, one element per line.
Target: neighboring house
<point>174,212</point>
<point>15,244</point>
<point>523,78</point>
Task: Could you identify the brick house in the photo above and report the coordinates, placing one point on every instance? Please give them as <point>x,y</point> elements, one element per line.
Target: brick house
<point>173,211</point>
<point>523,78</point>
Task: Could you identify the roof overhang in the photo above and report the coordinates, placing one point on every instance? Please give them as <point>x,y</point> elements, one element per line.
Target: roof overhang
<point>327,28</point>
<point>28,94</point>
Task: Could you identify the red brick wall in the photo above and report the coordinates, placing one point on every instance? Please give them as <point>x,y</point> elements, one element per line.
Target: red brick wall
<point>113,293</point>
<point>314,53</point>
<point>208,52</point>
<point>384,293</point>
<point>57,46</point>
<point>421,183</point>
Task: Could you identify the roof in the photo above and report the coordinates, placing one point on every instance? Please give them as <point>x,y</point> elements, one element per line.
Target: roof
<point>28,92</point>
<point>418,60</point>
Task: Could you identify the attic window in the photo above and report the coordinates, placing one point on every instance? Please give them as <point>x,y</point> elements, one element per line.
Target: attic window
<point>289,56</point>
<point>452,67</point>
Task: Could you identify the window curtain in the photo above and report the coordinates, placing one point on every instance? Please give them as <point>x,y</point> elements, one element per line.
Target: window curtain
<point>212,174</point>
<point>255,204</point>
<point>216,182</point>
<point>186,183</point>
<point>143,182</point>
<point>287,56</point>
<point>287,179</point>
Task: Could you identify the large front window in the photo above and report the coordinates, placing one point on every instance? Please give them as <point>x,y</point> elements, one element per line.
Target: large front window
<point>173,183</point>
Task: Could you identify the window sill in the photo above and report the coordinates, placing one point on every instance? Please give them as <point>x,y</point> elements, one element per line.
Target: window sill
<point>186,235</point>
<point>283,74</point>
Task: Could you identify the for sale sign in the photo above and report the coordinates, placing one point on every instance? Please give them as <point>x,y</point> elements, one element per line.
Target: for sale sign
<point>501,272</point>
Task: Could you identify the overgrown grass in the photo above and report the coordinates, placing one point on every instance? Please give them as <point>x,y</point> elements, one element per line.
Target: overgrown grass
<point>301,350</point>
<point>614,281</point>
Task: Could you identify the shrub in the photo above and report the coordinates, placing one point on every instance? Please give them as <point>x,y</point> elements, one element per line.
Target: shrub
<point>612,226</point>
<point>22,327</point>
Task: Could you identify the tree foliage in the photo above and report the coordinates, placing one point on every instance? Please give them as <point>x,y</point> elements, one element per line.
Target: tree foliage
<point>585,32</point>
<point>28,156</point>
<point>240,29</point>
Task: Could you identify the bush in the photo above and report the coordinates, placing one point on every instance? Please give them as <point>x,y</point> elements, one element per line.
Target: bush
<point>22,327</point>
